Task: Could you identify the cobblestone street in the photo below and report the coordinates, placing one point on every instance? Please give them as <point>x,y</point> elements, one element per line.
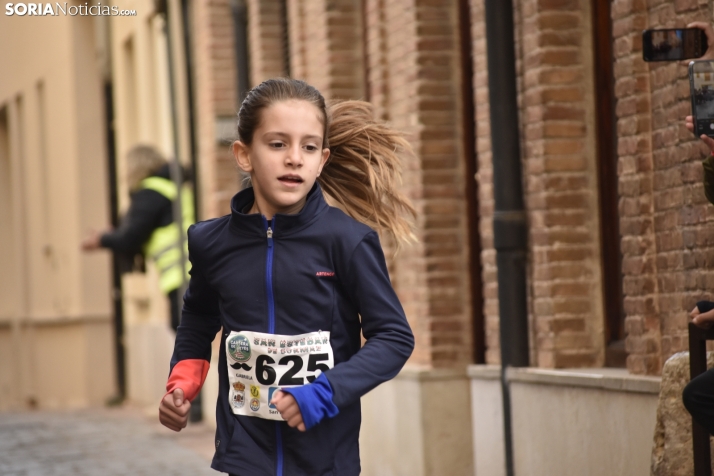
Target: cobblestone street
<point>106,442</point>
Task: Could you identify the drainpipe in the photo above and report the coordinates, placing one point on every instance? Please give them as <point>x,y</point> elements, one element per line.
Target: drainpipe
<point>510,231</point>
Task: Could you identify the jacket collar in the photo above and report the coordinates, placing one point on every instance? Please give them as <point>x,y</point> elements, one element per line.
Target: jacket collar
<point>282,224</point>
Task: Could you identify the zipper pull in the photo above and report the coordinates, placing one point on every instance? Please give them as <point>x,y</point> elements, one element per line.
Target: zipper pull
<point>269,233</point>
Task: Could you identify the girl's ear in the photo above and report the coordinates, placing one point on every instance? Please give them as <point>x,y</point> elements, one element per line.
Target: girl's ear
<point>240,152</point>
<point>325,156</point>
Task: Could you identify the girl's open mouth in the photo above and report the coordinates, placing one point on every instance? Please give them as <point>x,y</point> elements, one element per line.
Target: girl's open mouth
<point>291,179</point>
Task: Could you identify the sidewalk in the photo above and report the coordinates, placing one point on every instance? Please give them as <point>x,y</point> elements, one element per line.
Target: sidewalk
<point>106,442</point>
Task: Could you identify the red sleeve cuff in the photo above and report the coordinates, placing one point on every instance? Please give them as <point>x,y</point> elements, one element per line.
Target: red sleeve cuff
<point>188,375</point>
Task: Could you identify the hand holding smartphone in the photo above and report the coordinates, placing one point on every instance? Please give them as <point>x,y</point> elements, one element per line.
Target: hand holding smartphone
<point>674,44</point>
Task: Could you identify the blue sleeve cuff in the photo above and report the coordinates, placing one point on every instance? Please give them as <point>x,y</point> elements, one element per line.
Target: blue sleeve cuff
<point>314,400</point>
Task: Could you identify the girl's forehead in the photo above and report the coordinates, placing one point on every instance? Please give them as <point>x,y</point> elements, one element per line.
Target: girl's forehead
<point>293,113</point>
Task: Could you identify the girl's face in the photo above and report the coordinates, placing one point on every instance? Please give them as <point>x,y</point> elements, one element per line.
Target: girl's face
<point>285,156</point>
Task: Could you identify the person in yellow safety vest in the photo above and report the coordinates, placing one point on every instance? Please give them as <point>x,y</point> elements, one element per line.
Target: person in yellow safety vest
<point>149,227</point>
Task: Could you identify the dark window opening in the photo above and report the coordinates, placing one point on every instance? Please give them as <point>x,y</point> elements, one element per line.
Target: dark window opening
<point>615,355</point>
<point>470,167</point>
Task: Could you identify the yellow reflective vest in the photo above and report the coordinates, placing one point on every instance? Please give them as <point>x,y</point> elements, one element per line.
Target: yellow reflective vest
<point>164,244</point>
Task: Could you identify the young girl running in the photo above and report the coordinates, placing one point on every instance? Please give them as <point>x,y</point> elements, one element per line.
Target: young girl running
<point>291,282</point>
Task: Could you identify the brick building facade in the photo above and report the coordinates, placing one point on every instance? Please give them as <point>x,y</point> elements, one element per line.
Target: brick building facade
<point>619,247</point>
<point>665,217</point>
<point>216,104</point>
<point>618,239</point>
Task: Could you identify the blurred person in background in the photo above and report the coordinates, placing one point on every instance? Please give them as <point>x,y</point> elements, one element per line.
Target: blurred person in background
<point>149,228</point>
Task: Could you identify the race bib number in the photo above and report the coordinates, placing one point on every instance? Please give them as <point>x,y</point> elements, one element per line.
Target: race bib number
<point>260,364</point>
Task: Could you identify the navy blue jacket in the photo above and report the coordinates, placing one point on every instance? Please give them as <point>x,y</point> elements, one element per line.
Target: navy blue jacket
<point>321,270</point>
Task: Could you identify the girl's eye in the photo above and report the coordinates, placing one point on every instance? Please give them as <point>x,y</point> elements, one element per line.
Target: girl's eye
<point>311,148</point>
<point>275,145</point>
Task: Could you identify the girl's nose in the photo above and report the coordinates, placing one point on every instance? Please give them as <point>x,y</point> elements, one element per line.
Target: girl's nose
<point>294,157</point>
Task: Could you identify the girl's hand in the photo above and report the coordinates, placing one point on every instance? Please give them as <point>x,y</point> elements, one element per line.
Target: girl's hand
<point>703,320</point>
<point>173,410</point>
<point>289,409</point>
<point>689,122</point>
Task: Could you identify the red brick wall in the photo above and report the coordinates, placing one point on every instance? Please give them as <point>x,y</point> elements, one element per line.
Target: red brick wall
<point>665,218</point>
<point>554,52</point>
<point>215,101</point>
<point>326,46</point>
<point>561,183</point>
<point>409,276</point>
<point>413,61</point>
<point>635,176</point>
<point>266,40</point>
<point>377,68</point>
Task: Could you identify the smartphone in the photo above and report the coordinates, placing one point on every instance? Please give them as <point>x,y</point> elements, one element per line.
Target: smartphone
<point>673,44</point>
<point>701,85</point>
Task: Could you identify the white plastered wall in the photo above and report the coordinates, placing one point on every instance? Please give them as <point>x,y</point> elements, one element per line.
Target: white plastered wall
<point>55,317</point>
<point>590,422</point>
<point>418,424</point>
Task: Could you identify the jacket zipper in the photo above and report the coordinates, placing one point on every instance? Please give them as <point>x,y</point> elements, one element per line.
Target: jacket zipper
<point>279,440</point>
<point>269,278</point>
<point>271,329</point>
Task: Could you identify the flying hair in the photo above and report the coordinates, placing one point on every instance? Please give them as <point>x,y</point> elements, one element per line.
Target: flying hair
<point>364,169</point>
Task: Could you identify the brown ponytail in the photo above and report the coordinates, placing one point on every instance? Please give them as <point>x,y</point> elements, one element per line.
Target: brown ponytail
<point>364,169</point>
